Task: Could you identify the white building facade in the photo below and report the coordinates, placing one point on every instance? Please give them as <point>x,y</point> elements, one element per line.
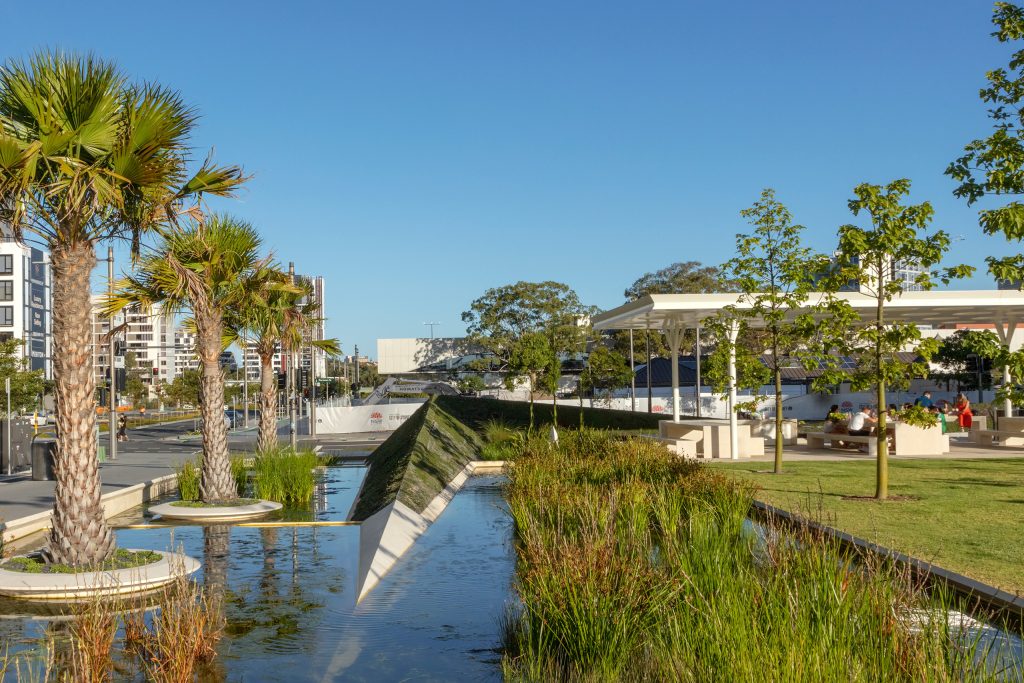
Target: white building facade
<point>148,335</point>
<point>26,300</point>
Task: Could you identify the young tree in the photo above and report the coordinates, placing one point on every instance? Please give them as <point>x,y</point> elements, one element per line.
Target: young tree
<point>87,156</point>
<point>503,320</point>
<point>530,358</point>
<point>606,370</point>
<point>958,354</point>
<point>774,274</point>
<point>134,388</point>
<point>26,385</point>
<point>208,268</point>
<point>868,256</point>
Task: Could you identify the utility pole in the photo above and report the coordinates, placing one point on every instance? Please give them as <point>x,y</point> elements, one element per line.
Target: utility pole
<point>112,427</point>
<point>356,372</point>
<point>245,386</point>
<point>431,325</point>
<point>292,394</point>
<point>650,398</point>
<point>10,453</point>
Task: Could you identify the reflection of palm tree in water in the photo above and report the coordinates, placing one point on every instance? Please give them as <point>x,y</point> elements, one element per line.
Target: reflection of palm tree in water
<point>216,546</point>
<point>268,577</point>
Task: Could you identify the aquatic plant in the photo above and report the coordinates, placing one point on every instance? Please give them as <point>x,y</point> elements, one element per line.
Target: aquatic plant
<point>634,564</point>
<point>188,479</point>
<point>284,475</point>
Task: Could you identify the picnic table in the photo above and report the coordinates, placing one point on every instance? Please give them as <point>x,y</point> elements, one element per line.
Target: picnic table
<point>708,438</point>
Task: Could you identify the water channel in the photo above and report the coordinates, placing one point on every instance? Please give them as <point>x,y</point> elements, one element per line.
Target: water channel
<point>290,593</point>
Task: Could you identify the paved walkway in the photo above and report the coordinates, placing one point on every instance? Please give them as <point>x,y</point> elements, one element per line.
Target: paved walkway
<point>151,452</point>
<point>156,450</point>
<point>959,449</point>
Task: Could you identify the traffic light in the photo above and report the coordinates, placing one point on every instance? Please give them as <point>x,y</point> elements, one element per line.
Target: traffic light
<point>282,381</point>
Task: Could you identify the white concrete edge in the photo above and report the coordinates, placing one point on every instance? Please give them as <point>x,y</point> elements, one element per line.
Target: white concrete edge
<point>114,503</point>
<point>388,533</point>
<point>62,587</point>
<point>215,514</point>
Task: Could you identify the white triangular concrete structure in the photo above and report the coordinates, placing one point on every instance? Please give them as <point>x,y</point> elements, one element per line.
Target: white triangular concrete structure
<point>387,534</point>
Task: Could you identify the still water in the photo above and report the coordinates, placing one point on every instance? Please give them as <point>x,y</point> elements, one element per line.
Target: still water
<point>290,594</point>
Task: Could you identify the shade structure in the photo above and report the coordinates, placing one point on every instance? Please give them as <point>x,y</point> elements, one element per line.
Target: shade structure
<point>1003,309</point>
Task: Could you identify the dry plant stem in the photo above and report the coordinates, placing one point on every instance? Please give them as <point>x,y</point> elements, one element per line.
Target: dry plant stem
<point>80,534</point>
<point>92,637</point>
<point>185,633</point>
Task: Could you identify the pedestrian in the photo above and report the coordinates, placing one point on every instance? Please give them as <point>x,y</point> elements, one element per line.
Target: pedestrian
<point>122,428</point>
<point>924,400</point>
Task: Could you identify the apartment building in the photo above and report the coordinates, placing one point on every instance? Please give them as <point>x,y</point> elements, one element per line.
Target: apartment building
<point>149,336</point>
<point>25,299</point>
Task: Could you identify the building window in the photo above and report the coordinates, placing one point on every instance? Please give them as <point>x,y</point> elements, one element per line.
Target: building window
<point>6,264</point>
<point>6,316</point>
<point>6,290</point>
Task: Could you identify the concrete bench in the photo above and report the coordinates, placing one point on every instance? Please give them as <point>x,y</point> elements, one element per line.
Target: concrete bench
<point>818,439</point>
<point>1004,437</point>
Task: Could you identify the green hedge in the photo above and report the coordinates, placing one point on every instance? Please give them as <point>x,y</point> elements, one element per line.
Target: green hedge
<point>417,461</point>
<point>476,411</point>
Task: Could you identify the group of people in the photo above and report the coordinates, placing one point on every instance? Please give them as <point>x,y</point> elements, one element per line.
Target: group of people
<point>865,421</point>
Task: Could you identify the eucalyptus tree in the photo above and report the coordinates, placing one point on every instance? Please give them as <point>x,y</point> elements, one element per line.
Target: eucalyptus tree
<point>207,268</point>
<point>868,257</point>
<point>774,274</point>
<point>278,317</point>
<point>505,322</point>
<point>86,156</point>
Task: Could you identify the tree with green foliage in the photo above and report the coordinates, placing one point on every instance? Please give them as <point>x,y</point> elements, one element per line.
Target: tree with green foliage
<point>208,268</point>
<point>505,320</point>
<point>530,358</point>
<point>958,354</point>
<point>26,385</point>
<point>605,371</point>
<point>87,156</point>
<point>774,274</point>
<point>134,388</point>
<point>867,256</point>
<point>185,389</point>
<point>993,167</point>
<point>471,384</point>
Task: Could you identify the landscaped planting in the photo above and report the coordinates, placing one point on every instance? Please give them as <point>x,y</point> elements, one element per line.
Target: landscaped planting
<point>636,565</point>
<point>121,559</point>
<point>285,476</point>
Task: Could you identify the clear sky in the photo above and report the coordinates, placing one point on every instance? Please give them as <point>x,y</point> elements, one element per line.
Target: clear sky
<point>417,153</point>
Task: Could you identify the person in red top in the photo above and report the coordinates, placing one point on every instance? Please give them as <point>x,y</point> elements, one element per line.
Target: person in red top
<point>963,411</point>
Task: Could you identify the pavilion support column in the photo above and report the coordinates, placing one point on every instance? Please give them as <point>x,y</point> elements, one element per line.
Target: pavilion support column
<point>734,432</point>
<point>1005,330</point>
<point>674,336</point>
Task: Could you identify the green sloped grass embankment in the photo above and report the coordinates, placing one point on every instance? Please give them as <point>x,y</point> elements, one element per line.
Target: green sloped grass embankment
<point>417,461</point>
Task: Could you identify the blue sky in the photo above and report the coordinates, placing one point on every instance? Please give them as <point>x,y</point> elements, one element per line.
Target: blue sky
<point>417,153</point>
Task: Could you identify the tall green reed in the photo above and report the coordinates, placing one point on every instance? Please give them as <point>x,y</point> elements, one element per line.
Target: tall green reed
<point>285,476</point>
<point>634,564</point>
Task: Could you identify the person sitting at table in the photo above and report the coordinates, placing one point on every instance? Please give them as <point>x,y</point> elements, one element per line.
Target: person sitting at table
<point>924,400</point>
<point>862,422</point>
<point>835,421</point>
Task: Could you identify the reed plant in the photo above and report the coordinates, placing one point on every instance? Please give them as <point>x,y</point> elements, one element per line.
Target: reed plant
<point>285,476</point>
<point>240,473</point>
<point>501,440</point>
<point>184,633</point>
<point>188,479</point>
<point>634,564</point>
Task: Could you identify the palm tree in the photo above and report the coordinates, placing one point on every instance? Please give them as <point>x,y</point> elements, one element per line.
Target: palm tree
<point>279,318</point>
<point>87,156</point>
<point>208,268</point>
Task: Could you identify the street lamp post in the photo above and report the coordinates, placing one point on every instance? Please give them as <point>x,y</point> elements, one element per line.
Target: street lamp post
<point>112,399</point>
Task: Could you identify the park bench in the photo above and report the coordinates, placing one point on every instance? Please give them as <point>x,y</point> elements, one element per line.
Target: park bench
<point>988,437</point>
<point>818,439</point>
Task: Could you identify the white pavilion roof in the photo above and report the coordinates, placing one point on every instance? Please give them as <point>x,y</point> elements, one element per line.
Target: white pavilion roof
<point>936,307</point>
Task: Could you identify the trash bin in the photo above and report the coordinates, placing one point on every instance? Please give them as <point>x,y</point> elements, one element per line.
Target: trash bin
<point>42,459</point>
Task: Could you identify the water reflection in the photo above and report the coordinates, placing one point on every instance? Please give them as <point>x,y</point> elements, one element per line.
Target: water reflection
<point>289,595</point>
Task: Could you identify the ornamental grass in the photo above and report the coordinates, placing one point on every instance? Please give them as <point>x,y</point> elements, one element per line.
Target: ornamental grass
<point>636,565</point>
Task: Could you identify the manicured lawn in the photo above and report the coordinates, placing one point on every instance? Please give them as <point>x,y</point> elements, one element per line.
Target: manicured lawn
<point>966,516</point>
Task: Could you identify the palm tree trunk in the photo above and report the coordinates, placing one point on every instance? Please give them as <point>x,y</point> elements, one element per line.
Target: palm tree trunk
<point>267,438</point>
<point>216,484</point>
<point>79,534</point>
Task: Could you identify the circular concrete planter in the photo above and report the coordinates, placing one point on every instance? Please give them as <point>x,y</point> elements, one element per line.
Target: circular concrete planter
<point>238,513</point>
<point>69,587</point>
